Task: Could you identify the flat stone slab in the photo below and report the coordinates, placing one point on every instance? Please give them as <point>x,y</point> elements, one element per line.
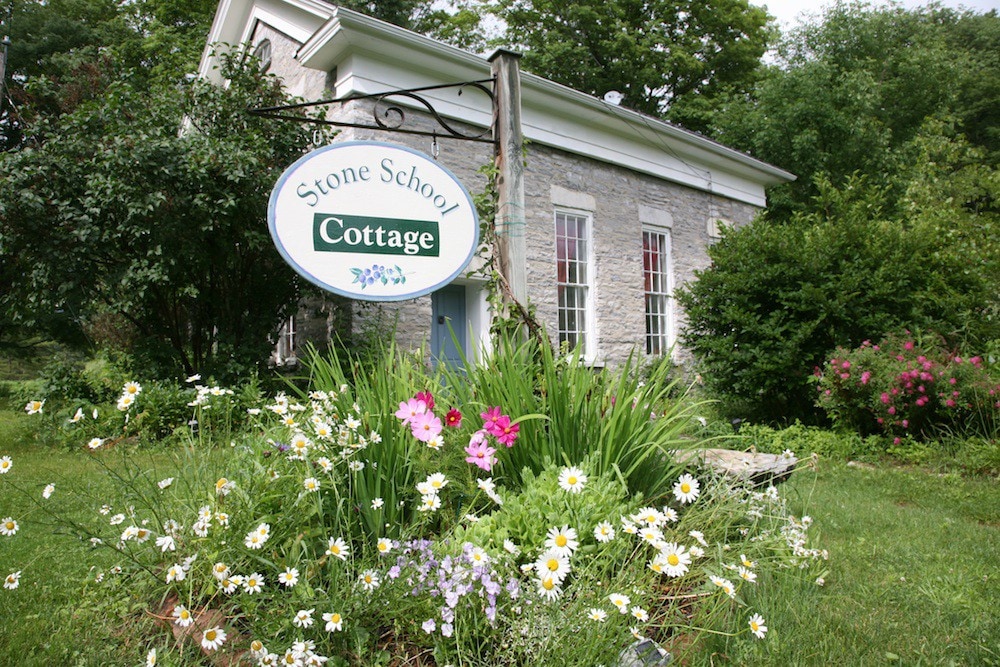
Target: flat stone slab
<point>755,467</point>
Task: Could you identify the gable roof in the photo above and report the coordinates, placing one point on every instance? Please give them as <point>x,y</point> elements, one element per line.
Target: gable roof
<point>372,56</point>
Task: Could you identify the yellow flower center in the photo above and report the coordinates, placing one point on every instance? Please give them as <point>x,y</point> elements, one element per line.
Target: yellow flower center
<point>685,488</point>
<point>335,550</point>
<point>211,635</point>
<point>548,583</point>
<point>9,525</point>
<point>256,645</point>
<point>754,626</point>
<point>552,564</point>
<point>673,559</point>
<point>561,541</point>
<point>571,480</point>
<point>335,618</point>
<point>185,615</point>
<point>368,578</point>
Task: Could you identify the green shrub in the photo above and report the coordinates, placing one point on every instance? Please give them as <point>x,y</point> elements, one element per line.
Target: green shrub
<point>803,441</point>
<point>778,298</point>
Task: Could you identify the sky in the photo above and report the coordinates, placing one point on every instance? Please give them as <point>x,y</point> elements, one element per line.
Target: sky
<point>787,11</point>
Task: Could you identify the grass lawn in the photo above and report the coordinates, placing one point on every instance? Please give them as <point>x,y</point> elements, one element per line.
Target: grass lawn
<point>914,574</point>
<point>913,571</point>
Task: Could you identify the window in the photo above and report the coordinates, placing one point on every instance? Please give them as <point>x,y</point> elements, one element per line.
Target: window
<point>656,271</point>
<point>573,279</point>
<point>263,54</point>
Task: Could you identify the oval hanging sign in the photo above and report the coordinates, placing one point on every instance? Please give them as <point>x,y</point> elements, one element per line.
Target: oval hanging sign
<point>373,221</point>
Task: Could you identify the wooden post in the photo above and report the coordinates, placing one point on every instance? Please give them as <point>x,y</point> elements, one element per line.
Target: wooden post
<point>509,156</point>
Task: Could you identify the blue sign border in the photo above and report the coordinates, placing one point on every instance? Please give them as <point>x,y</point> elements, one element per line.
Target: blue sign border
<point>272,203</point>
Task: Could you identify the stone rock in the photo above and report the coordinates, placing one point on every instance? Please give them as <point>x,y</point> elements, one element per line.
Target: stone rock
<point>754,467</point>
<point>644,653</point>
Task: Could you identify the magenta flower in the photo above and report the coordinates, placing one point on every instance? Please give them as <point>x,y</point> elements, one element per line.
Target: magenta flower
<point>865,377</point>
<point>490,417</point>
<point>426,397</point>
<point>425,426</point>
<point>453,418</point>
<point>504,431</point>
<point>410,409</point>
<point>481,454</point>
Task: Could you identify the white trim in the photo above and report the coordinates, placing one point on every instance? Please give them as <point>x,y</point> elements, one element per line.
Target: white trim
<point>590,337</point>
<point>385,57</point>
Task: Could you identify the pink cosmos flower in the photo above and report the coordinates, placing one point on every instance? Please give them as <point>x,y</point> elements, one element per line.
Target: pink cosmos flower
<point>490,417</point>
<point>425,426</point>
<point>478,437</point>
<point>410,409</point>
<point>426,397</point>
<point>481,454</point>
<point>453,418</point>
<point>505,432</point>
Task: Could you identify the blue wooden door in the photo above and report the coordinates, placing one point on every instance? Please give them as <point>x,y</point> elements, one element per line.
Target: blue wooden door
<point>449,326</point>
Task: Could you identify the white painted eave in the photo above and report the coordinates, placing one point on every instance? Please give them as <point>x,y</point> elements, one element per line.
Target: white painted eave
<point>372,56</point>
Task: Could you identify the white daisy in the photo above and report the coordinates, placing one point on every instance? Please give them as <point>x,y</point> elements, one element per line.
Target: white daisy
<point>213,638</point>
<point>553,563</point>
<point>8,526</point>
<point>303,618</point>
<point>572,480</point>
<point>289,577</point>
<point>620,601</point>
<point>675,559</point>
<point>549,588</point>
<point>562,539</point>
<point>253,583</point>
<point>5,464</point>
<point>598,615</point>
<point>757,626</point>
<point>48,491</point>
<point>369,580</point>
<point>338,547</point>
<point>334,622</point>
<point>686,489</point>
<point>311,484</point>
<point>12,580</point>
<point>182,616</point>
<point>604,532</point>
<point>164,483</point>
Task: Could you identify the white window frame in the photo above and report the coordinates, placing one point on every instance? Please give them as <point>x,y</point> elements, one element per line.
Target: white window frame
<point>587,337</point>
<point>658,289</point>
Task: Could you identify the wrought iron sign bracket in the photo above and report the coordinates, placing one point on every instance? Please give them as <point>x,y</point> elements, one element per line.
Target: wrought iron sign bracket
<point>388,116</point>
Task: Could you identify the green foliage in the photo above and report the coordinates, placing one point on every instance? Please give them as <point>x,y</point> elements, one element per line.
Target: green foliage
<point>804,441</point>
<point>613,418</point>
<point>668,58</point>
<point>778,298</point>
<point>124,213</point>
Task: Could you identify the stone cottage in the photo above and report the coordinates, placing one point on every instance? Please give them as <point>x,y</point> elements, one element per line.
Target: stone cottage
<point>619,207</point>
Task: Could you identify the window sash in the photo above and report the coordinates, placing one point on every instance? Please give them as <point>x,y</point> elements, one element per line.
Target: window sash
<point>573,278</point>
<point>658,285</point>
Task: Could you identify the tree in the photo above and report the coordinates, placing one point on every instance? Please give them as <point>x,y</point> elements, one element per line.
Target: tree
<point>670,58</point>
<point>64,52</point>
<point>115,211</point>
<point>851,91</point>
